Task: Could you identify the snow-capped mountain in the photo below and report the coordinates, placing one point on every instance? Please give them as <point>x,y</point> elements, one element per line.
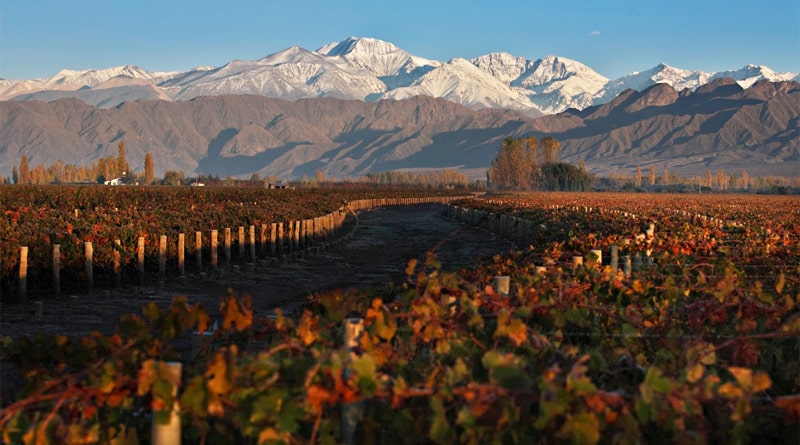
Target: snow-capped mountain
<point>371,69</point>
<point>462,82</point>
<point>393,66</point>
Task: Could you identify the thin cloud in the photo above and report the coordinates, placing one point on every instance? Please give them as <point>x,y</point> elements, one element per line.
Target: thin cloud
<point>594,33</point>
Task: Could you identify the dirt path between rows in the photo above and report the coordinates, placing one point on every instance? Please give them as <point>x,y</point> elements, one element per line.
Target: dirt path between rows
<point>374,255</point>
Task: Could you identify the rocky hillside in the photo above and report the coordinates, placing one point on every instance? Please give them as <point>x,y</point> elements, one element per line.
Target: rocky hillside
<point>719,126</point>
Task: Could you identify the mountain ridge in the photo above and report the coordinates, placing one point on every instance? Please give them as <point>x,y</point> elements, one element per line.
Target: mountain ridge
<point>719,126</point>
<point>370,69</point>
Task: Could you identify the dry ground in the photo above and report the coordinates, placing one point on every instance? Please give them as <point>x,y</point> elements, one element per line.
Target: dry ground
<point>373,255</point>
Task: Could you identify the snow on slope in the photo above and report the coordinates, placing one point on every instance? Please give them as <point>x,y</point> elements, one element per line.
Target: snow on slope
<point>751,74</point>
<point>293,73</point>
<point>460,81</point>
<point>372,69</point>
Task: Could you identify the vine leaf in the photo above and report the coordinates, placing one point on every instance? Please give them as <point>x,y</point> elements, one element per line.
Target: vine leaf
<point>383,322</point>
<point>582,429</point>
<point>236,312</point>
<point>218,383</point>
<point>308,328</point>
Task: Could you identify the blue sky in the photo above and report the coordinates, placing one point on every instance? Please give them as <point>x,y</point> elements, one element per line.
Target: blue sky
<point>40,37</point>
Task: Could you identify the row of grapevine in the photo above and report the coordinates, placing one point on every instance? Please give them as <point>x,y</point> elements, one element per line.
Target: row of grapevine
<point>79,235</point>
<point>680,351</point>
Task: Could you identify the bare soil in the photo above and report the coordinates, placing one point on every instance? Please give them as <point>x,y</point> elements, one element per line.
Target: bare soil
<point>372,254</point>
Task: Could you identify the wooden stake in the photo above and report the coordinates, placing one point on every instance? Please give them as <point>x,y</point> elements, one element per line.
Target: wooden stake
<point>140,262</point>
<point>241,244</point>
<point>198,250</point>
<point>214,247</point>
<point>23,274</point>
<point>502,284</point>
<point>169,433</point>
<point>181,254</point>
<point>162,257</point>
<point>227,247</point>
<point>273,238</point>
<point>89,252</point>
<point>252,243</point>
<point>117,264</point>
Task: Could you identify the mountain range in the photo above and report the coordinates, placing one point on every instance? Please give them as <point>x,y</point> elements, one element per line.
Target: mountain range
<point>369,69</point>
<point>719,125</point>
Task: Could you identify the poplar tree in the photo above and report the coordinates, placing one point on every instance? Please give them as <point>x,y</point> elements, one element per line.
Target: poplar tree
<point>24,171</point>
<point>122,162</point>
<point>149,169</point>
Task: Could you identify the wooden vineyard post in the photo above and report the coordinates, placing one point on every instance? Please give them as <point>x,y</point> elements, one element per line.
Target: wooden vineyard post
<point>596,257</point>
<point>214,247</point>
<point>89,253</point>
<point>280,238</point>
<point>351,412</point>
<point>241,244</point>
<point>627,265</point>
<point>227,246</point>
<point>23,274</point>
<point>502,284</point>
<point>140,259</point>
<point>577,261</point>
<point>170,432</point>
<point>117,264</point>
<point>273,238</point>
<point>198,250</point>
<point>181,255</point>
<point>252,242</point>
<point>162,257</point>
<point>615,258</point>
<point>296,236</point>
<point>263,241</point>
<point>57,271</point>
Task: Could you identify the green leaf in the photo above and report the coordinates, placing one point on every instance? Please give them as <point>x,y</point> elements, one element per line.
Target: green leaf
<point>440,431</point>
<point>654,380</point>
<point>582,429</point>
<point>365,367</point>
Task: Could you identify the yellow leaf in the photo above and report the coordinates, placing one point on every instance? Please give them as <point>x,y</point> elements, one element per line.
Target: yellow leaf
<point>218,381</point>
<point>761,381</point>
<point>744,376</point>
<point>236,312</point>
<point>637,286</point>
<point>412,265</point>
<point>780,284</point>
<point>270,435</point>
<point>308,328</point>
<point>146,376</point>
<point>517,331</point>
<point>695,373</point>
<point>730,391</point>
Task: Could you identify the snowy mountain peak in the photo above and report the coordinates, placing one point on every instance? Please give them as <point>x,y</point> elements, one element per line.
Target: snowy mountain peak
<point>359,45</point>
<point>503,66</point>
<point>394,66</point>
<point>364,68</point>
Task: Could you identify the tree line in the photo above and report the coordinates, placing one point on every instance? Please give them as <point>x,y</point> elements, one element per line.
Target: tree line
<point>99,171</point>
<point>532,164</point>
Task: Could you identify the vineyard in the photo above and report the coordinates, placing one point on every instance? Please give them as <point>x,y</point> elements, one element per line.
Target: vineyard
<point>619,319</point>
